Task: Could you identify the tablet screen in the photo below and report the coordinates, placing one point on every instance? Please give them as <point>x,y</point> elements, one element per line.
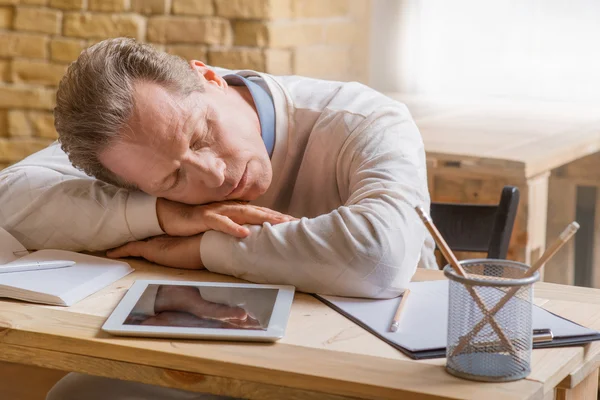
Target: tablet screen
<point>204,307</point>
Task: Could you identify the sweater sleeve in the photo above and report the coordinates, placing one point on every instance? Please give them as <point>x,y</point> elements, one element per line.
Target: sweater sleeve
<point>47,203</point>
<point>368,247</point>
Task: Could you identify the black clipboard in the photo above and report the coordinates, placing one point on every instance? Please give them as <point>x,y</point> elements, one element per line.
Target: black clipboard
<point>557,341</point>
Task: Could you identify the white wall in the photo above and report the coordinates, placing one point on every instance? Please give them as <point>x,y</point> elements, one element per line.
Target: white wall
<point>385,42</point>
<point>546,49</point>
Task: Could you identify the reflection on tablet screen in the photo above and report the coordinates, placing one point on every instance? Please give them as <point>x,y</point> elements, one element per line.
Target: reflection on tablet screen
<point>204,307</point>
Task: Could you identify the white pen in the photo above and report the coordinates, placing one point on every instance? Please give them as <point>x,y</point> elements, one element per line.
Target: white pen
<point>21,266</point>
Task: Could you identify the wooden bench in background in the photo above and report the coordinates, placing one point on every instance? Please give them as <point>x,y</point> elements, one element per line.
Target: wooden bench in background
<point>549,150</point>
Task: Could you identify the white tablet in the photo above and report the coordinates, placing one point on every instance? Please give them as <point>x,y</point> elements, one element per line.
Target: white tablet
<point>204,310</point>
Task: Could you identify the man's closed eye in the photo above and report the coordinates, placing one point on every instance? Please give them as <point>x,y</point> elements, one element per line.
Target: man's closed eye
<point>196,145</point>
<point>176,180</point>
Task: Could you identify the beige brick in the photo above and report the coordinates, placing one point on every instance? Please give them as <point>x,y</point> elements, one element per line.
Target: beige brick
<point>68,4</point>
<point>273,61</point>
<point>23,45</point>
<point>6,17</point>
<point>278,34</point>
<point>320,8</point>
<point>40,72</point>
<point>189,30</point>
<point>18,124</point>
<point>43,124</point>
<point>4,71</point>
<point>341,33</point>
<point>238,59</point>
<point>3,123</point>
<point>324,62</point>
<point>15,96</point>
<point>12,150</point>
<point>254,9</point>
<point>188,52</point>
<point>91,42</point>
<point>151,6</point>
<point>24,123</point>
<point>66,50</point>
<point>193,7</point>
<point>109,5</point>
<point>36,19</point>
<point>89,25</point>
<point>251,33</point>
<point>296,34</point>
<point>34,2</point>
<point>278,62</point>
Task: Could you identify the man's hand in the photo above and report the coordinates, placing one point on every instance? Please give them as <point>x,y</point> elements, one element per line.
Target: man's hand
<point>177,252</point>
<point>178,219</point>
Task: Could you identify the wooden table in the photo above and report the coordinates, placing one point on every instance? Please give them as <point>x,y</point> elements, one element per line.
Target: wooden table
<point>476,146</point>
<point>323,355</point>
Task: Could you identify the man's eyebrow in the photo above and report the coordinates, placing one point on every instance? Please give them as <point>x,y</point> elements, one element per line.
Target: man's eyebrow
<point>191,121</point>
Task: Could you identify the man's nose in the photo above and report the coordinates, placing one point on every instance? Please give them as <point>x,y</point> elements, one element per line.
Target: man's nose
<point>210,169</point>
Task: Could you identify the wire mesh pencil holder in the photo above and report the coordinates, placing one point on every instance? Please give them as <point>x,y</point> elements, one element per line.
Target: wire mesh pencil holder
<point>490,320</point>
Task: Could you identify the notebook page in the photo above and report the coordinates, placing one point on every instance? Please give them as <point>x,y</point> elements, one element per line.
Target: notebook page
<point>70,284</point>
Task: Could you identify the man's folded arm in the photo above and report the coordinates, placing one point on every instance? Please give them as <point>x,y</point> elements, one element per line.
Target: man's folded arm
<point>369,247</point>
<point>46,208</point>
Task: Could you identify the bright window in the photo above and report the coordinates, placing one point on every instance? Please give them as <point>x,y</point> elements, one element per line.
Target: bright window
<point>543,49</point>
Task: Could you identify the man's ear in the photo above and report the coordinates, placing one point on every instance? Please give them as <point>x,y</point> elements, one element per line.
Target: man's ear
<point>208,74</point>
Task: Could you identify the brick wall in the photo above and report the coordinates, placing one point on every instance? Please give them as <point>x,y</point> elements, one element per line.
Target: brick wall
<point>39,38</point>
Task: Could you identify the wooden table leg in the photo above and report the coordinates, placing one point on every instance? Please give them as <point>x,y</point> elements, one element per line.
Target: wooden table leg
<point>561,211</point>
<point>534,206</point>
<point>585,390</point>
<point>575,194</point>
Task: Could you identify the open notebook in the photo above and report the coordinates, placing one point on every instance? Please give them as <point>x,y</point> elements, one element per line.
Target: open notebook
<point>424,321</point>
<point>62,286</point>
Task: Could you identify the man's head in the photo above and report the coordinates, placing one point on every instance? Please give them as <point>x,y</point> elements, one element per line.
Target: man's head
<point>136,117</point>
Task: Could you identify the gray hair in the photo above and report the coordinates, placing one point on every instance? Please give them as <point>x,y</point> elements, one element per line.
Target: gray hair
<point>95,97</point>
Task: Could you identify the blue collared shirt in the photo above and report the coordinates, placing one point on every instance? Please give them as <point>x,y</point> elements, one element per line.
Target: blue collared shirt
<point>264,106</point>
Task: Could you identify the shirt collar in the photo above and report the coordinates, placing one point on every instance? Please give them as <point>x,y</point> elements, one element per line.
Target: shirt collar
<point>264,107</point>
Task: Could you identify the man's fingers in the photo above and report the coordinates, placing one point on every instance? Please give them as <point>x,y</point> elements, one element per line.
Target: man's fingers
<point>282,216</point>
<point>268,210</point>
<point>131,249</point>
<point>224,224</point>
<point>256,215</point>
<point>178,219</point>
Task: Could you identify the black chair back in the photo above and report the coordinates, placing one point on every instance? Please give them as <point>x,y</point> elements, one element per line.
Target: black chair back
<point>478,228</point>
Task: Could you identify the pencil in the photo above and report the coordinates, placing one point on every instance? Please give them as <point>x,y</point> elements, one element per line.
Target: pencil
<point>563,238</point>
<point>396,321</point>
<point>447,252</point>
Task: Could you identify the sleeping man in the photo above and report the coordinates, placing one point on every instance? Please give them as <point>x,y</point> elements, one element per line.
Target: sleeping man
<point>285,180</point>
